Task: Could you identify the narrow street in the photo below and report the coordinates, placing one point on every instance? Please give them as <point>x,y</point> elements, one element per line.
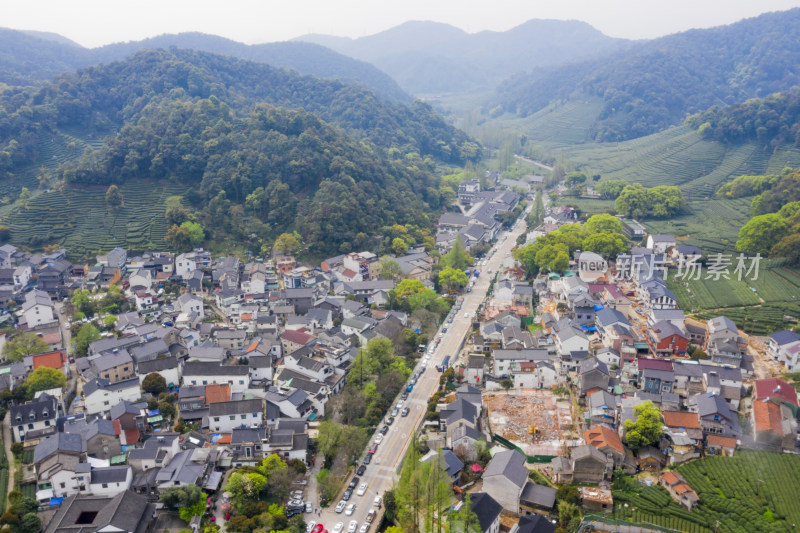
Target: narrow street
<point>12,467</point>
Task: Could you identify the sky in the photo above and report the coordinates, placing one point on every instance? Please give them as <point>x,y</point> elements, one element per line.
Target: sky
<point>94,23</point>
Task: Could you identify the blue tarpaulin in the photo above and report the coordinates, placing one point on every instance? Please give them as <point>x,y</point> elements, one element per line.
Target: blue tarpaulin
<point>55,501</point>
<point>598,307</point>
<point>417,331</point>
<point>154,412</point>
<point>588,328</point>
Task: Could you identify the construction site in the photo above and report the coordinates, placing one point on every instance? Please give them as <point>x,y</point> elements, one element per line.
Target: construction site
<point>535,420</point>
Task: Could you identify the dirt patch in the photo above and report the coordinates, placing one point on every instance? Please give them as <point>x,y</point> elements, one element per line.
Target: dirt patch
<point>534,420</point>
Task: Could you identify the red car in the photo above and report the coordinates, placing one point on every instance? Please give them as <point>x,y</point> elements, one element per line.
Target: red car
<point>318,528</point>
<point>373,449</point>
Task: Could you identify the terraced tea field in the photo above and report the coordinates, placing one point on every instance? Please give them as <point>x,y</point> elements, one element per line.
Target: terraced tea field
<point>760,311</point>
<point>77,218</point>
<point>753,491</point>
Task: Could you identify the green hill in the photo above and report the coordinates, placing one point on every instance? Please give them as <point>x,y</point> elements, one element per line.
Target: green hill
<point>253,151</point>
<point>655,84</point>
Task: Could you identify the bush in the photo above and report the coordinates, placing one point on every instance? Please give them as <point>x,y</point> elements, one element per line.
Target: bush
<point>17,448</point>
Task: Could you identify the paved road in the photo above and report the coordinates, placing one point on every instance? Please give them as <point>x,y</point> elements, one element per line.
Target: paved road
<point>381,472</point>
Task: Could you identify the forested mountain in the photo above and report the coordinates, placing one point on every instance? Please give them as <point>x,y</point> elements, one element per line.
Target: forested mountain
<point>32,57</point>
<point>655,84</point>
<point>434,58</point>
<point>233,133</point>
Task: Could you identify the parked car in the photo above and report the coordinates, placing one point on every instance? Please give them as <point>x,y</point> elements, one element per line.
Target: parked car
<point>309,507</point>
<point>361,489</point>
<point>378,438</point>
<point>395,411</point>
<point>361,470</point>
<point>371,515</point>
<point>404,413</point>
<point>316,528</point>
<point>352,527</point>
<point>364,528</point>
<point>350,509</point>
<point>340,506</point>
<point>353,483</point>
<point>367,459</point>
<point>373,449</point>
<point>347,494</point>
<point>384,430</point>
<point>377,502</point>
<point>338,527</point>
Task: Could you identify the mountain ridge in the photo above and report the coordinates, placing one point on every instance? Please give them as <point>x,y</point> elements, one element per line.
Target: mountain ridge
<point>29,57</point>
<point>427,57</point>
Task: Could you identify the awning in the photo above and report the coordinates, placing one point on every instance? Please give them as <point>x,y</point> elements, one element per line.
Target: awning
<point>214,481</point>
<point>155,419</point>
<point>119,459</point>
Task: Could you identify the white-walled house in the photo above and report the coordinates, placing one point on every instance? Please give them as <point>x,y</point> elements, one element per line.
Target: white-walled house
<point>38,309</point>
<point>206,373</point>
<point>36,416</point>
<point>224,416</point>
<point>190,302</point>
<point>110,480</point>
<point>167,367</point>
<point>100,395</point>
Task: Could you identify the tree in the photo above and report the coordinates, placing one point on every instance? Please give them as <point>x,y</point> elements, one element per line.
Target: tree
<point>178,238</point>
<point>399,246</point>
<point>389,268</point>
<point>761,233</point>
<point>457,257</point>
<point>789,248</point>
<point>196,233</point>
<point>154,383</point>
<point>176,215</point>
<point>646,430</point>
<point>568,493</point>
<point>109,321</point>
<point>114,196</point>
<point>29,523</point>
<point>507,384</point>
<point>609,245</point>
<point>189,500</point>
<point>23,344</point>
<point>44,378</point>
<point>609,190</point>
<point>452,279</point>
<point>288,243</point>
<point>24,196</point>
<point>603,223</point>
<point>86,335</point>
<point>82,302</point>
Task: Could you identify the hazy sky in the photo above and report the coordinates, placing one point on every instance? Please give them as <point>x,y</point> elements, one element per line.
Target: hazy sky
<point>97,22</point>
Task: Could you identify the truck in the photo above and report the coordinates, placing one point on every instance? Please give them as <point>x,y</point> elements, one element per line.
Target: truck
<point>445,362</point>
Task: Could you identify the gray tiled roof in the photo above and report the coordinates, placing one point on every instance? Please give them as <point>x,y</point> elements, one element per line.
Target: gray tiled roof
<point>110,474</point>
<point>60,442</point>
<point>509,464</point>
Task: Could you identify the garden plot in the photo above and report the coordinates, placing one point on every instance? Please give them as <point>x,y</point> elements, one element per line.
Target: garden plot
<point>512,415</point>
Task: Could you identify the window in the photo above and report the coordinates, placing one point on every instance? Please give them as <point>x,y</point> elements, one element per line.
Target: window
<point>233,417</point>
<point>63,485</point>
<point>243,417</point>
<point>216,419</point>
<point>46,423</point>
<point>30,426</point>
<point>205,382</point>
<point>105,485</point>
<point>241,382</point>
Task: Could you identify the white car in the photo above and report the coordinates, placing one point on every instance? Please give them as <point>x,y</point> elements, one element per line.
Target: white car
<point>362,488</point>
<point>338,527</point>
<point>466,315</point>
<point>340,506</point>
<point>378,440</point>
<point>350,509</point>
<point>364,528</point>
<point>377,502</point>
<point>400,404</point>
<point>352,527</point>
<point>310,527</point>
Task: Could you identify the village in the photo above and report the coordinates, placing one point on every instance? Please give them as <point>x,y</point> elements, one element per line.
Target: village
<point>220,363</point>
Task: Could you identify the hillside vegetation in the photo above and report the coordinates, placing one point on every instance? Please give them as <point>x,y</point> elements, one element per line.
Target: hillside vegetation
<point>232,134</point>
<point>655,84</point>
